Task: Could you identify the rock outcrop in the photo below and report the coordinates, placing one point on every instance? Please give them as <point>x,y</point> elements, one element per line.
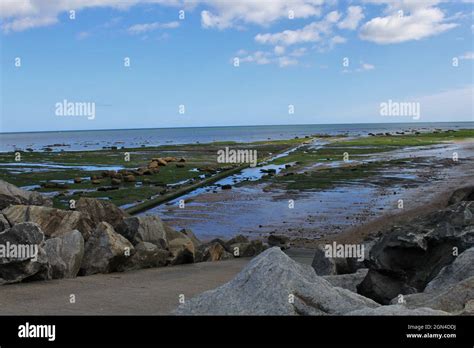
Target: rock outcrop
<point>65,254</point>
<point>53,222</point>
<point>409,256</point>
<point>105,251</point>
<point>274,284</point>
<point>144,229</point>
<point>99,210</point>
<point>22,255</point>
<point>12,195</point>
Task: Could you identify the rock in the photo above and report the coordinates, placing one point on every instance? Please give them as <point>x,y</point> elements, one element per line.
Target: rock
<point>347,281</point>
<point>463,194</point>
<point>355,264</point>
<point>460,269</point>
<point>65,254</point>
<point>249,249</point>
<point>105,251</point>
<point>53,222</point>
<point>182,251</point>
<point>170,159</point>
<point>282,242</point>
<point>274,284</point>
<point>188,233</point>
<point>211,252</point>
<point>382,288</point>
<point>153,164</point>
<point>144,229</point>
<point>100,210</point>
<point>95,182</point>
<point>396,310</point>
<point>412,254</point>
<point>326,265</point>
<point>146,255</point>
<point>129,178</point>
<point>453,299</point>
<point>12,195</point>
<point>226,187</point>
<point>161,162</point>
<point>28,239</point>
<point>4,224</point>
<point>77,180</point>
<point>115,181</point>
<point>237,239</point>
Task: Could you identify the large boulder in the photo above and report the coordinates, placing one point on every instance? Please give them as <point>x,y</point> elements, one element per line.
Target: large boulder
<point>65,254</point>
<point>410,255</point>
<point>249,249</point>
<point>22,255</point>
<point>396,310</point>
<point>53,222</point>
<point>188,233</point>
<point>460,269</point>
<point>347,281</point>
<point>274,284</point>
<point>453,299</point>
<point>100,210</point>
<point>12,195</point>
<point>462,194</point>
<point>105,251</point>
<point>182,251</point>
<point>144,229</point>
<point>146,255</point>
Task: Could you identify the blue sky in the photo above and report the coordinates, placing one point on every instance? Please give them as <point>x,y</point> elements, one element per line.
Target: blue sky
<point>397,50</point>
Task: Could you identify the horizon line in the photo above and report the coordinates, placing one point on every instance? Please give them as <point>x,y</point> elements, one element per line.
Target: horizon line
<point>228,126</point>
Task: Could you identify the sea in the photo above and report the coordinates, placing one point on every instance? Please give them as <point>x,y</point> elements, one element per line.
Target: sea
<point>99,139</point>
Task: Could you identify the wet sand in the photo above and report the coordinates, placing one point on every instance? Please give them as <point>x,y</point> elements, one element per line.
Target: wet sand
<point>352,209</point>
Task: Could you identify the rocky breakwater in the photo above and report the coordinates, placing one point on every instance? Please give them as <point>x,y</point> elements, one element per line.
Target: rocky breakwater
<point>38,242</point>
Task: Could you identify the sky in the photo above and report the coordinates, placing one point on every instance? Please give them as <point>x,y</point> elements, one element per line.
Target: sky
<point>232,62</point>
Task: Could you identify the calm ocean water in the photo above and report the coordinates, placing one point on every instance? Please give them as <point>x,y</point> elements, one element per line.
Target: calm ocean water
<point>93,140</point>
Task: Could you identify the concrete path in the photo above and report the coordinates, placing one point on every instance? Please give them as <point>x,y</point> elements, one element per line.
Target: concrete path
<point>147,292</point>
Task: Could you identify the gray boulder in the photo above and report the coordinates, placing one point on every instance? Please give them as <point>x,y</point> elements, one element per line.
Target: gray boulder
<point>105,251</point>
<point>100,210</point>
<point>248,249</point>
<point>274,284</point>
<point>65,254</point>
<point>462,194</point>
<point>53,222</point>
<point>454,299</point>
<point>460,269</point>
<point>188,233</point>
<point>12,195</point>
<point>347,281</point>
<point>396,310</point>
<point>182,251</point>
<point>410,255</point>
<point>146,255</point>
<point>144,229</point>
<point>22,255</point>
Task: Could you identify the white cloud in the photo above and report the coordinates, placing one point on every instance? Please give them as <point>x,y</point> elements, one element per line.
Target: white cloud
<point>286,61</point>
<point>367,66</point>
<point>467,56</point>
<point>279,50</point>
<point>225,14</point>
<point>419,22</point>
<point>146,27</point>
<point>354,16</point>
